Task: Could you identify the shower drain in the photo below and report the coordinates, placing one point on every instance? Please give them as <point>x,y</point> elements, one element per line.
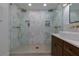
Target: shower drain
<point>37,47</point>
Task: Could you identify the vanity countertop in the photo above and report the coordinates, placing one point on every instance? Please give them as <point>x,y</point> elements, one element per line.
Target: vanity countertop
<point>73,42</point>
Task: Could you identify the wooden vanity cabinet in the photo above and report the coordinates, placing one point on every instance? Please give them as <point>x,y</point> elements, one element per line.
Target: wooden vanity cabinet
<point>70,50</point>
<point>56,46</point>
<point>62,48</point>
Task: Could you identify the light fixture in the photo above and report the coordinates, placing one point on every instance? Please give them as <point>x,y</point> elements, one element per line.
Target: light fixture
<point>44,4</point>
<point>29,4</point>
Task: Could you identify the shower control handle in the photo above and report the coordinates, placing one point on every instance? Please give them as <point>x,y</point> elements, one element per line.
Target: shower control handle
<point>17,27</point>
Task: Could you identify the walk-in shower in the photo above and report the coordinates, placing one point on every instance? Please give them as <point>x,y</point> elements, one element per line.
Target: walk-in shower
<point>30,30</point>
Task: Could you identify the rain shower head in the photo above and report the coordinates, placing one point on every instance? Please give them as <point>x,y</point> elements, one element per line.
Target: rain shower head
<point>23,10</point>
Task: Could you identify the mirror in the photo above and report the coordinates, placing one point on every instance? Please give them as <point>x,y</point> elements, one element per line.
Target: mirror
<point>74,13</point>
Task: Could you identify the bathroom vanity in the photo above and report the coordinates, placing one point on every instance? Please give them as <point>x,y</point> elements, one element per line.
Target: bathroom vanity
<point>62,46</point>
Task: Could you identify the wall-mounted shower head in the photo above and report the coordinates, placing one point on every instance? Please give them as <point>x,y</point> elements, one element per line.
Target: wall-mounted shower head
<point>23,10</point>
<point>10,3</point>
<point>50,10</point>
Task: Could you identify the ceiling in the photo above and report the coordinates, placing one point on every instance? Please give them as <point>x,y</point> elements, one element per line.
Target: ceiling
<point>37,6</point>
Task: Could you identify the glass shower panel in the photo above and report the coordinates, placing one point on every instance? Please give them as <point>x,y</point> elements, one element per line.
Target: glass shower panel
<point>14,23</point>
<point>30,30</point>
<point>24,28</point>
<point>57,22</point>
<point>17,26</point>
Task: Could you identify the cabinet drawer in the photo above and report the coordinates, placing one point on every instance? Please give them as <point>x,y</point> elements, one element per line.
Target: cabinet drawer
<point>59,42</point>
<point>72,50</point>
<point>56,40</point>
<point>65,53</point>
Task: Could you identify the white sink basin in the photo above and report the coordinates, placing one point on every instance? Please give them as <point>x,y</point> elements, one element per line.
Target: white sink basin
<point>70,35</point>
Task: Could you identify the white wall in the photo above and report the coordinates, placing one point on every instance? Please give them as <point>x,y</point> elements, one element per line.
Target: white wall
<point>4,29</point>
<point>66,15</point>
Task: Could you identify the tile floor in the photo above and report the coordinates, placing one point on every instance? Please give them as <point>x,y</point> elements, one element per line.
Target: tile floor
<point>32,50</point>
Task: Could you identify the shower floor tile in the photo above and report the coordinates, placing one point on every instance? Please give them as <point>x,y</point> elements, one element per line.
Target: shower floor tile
<point>32,50</point>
